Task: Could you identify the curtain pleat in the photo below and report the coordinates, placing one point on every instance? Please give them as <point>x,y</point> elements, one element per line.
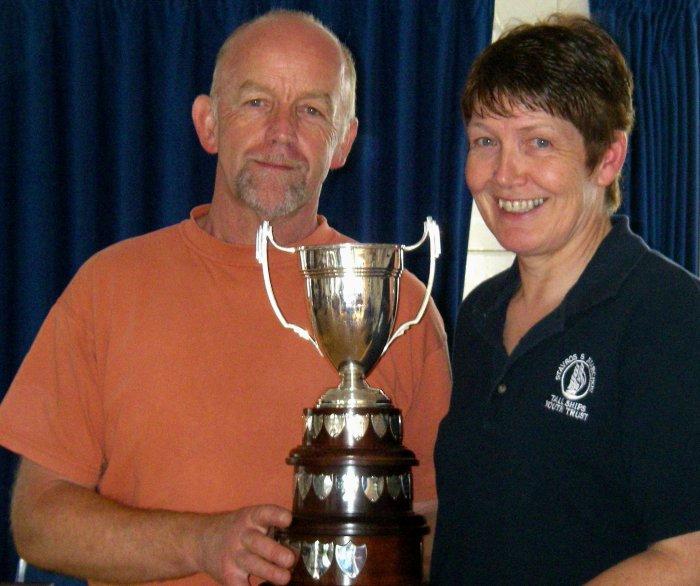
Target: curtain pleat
<point>661,181</point>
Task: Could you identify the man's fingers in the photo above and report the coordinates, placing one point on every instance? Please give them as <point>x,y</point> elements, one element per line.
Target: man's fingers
<point>269,569</point>
<point>263,557</point>
<point>270,516</point>
<point>241,547</point>
<point>267,548</point>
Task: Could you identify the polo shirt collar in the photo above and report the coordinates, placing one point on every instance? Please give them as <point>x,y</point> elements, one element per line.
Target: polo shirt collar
<point>602,278</point>
<point>617,255</point>
<point>489,310</point>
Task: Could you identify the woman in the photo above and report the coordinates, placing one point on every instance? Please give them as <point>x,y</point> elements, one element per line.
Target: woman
<point>570,452</point>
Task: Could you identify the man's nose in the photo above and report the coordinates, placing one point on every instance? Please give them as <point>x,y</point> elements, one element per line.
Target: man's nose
<point>282,126</point>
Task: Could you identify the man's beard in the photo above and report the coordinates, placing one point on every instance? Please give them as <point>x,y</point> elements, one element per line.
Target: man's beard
<point>270,205</point>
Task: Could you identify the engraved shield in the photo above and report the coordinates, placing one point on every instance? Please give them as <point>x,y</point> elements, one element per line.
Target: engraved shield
<point>373,487</point>
<point>348,484</point>
<point>351,558</point>
<point>406,485</point>
<point>379,424</point>
<point>334,424</point>
<point>393,484</point>
<point>303,482</point>
<point>323,484</point>
<point>316,424</point>
<point>395,426</point>
<point>317,557</point>
<point>357,425</point>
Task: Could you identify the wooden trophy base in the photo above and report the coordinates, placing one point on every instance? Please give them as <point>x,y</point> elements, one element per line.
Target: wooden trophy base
<point>353,520</point>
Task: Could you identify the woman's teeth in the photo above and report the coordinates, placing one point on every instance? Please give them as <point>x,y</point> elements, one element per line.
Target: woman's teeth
<point>520,206</point>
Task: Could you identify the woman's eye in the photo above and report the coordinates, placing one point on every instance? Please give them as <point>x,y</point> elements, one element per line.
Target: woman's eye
<point>483,141</point>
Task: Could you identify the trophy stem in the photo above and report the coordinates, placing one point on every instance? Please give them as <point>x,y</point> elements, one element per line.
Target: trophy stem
<point>353,390</point>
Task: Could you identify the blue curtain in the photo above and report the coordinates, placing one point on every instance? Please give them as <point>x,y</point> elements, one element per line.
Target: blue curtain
<point>96,142</point>
<point>661,182</point>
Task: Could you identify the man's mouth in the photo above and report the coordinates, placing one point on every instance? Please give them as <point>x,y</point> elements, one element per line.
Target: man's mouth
<point>520,206</point>
<point>279,165</point>
<point>279,161</point>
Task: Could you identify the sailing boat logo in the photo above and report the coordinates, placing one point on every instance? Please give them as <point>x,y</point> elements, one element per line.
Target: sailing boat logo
<point>576,380</point>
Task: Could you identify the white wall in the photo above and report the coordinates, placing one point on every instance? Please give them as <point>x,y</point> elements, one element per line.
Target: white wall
<point>485,257</point>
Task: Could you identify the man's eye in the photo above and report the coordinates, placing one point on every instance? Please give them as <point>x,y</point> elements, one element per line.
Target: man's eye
<point>311,111</point>
<point>255,102</point>
<point>542,143</point>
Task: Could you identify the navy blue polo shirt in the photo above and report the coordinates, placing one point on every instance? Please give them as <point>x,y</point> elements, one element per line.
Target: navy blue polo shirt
<point>582,447</point>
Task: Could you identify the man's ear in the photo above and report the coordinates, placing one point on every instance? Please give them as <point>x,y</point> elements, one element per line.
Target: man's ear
<point>342,151</point>
<point>612,160</point>
<point>205,123</point>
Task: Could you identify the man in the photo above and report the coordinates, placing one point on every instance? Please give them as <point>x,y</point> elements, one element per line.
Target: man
<point>161,396</point>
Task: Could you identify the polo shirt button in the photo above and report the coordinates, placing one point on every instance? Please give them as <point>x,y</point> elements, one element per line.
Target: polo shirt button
<point>501,389</point>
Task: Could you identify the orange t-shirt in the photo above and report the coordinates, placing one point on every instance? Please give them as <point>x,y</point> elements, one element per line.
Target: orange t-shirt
<point>162,377</point>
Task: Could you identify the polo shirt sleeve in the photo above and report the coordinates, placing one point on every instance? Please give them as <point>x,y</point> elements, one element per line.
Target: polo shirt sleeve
<point>660,394</point>
<point>51,414</point>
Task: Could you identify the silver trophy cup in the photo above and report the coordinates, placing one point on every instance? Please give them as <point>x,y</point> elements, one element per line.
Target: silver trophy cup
<point>352,294</point>
<point>353,523</point>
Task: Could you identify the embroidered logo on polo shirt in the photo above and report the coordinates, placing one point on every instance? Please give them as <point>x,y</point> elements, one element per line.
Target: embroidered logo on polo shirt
<point>576,376</point>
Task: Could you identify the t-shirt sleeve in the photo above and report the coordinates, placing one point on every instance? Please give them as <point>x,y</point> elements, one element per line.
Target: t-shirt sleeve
<point>422,418</point>
<point>661,411</point>
<point>51,413</point>
<point>415,372</point>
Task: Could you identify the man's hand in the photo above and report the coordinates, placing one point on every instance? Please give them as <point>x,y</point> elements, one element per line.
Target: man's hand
<point>237,545</point>
<point>71,529</point>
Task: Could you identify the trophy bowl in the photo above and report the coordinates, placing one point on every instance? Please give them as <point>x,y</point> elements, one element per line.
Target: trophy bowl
<point>352,296</point>
<point>352,292</point>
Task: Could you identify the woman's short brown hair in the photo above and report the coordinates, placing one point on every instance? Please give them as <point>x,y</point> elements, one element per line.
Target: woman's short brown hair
<point>567,66</point>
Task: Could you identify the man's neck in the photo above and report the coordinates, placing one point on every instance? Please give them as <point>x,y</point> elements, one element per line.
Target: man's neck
<point>235,223</point>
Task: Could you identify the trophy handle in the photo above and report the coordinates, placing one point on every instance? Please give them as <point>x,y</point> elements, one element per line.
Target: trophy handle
<point>431,230</point>
<point>264,234</point>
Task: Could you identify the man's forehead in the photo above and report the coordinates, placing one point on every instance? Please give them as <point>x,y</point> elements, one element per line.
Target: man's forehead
<point>307,68</point>
<point>285,31</point>
<point>290,54</point>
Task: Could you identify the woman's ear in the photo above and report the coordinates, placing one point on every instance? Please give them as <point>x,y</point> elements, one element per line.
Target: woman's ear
<point>612,160</point>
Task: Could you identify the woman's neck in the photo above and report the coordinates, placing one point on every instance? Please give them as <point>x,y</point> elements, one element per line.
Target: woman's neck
<point>545,281</point>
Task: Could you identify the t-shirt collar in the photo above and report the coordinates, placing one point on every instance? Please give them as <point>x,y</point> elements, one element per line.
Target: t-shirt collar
<point>244,254</point>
